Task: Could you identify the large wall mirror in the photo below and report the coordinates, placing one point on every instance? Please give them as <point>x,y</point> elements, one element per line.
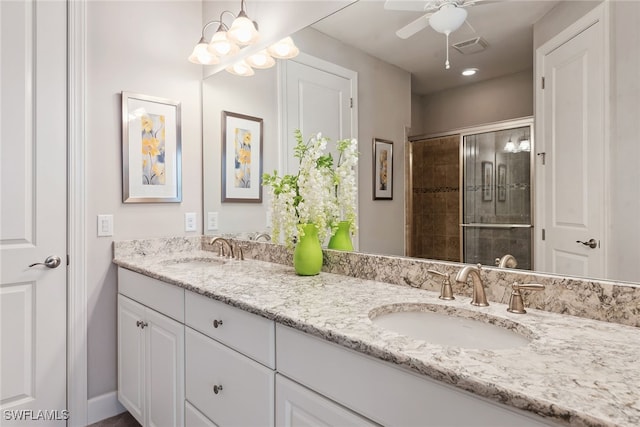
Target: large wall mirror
<point>398,99</point>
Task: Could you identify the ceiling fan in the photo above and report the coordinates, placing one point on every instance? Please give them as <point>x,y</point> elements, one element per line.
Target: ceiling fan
<point>444,16</point>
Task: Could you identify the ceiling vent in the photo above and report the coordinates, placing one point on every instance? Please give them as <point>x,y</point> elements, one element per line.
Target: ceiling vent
<point>475,45</point>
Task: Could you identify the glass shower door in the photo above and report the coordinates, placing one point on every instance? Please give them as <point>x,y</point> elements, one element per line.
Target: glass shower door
<point>496,217</point>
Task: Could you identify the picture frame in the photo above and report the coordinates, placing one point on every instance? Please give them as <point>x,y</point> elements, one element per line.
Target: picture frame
<point>242,139</point>
<point>487,181</point>
<point>151,149</point>
<point>382,169</point>
<point>502,182</point>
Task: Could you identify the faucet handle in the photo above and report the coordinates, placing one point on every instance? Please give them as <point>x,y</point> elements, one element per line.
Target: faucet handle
<point>446,292</point>
<point>516,302</point>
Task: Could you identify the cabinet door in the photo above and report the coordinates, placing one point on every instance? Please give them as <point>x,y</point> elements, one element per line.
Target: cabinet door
<point>164,339</point>
<point>297,406</point>
<point>227,387</point>
<point>131,357</point>
<point>195,418</point>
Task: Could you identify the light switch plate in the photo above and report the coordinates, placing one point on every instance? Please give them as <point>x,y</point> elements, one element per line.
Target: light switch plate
<point>269,218</point>
<point>212,221</point>
<point>190,221</point>
<point>105,225</point>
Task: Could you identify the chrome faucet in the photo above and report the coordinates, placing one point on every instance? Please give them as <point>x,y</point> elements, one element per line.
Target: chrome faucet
<point>507,261</point>
<point>223,242</point>
<point>479,297</point>
<point>267,238</point>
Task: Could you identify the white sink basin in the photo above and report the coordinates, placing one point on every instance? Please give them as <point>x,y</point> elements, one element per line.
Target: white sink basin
<point>448,329</point>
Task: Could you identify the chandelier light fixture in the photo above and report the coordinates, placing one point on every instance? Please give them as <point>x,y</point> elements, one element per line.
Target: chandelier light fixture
<point>226,43</point>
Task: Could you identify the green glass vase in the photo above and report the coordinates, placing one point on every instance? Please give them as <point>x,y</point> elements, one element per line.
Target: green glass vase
<point>307,257</point>
<point>341,239</point>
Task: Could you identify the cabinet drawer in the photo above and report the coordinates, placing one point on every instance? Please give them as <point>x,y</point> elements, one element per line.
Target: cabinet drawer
<point>195,418</point>
<point>248,333</point>
<point>163,297</point>
<point>385,393</point>
<point>298,406</point>
<point>246,397</point>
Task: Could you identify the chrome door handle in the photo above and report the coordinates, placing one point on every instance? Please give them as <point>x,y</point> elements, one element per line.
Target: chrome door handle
<point>51,261</point>
<point>592,243</point>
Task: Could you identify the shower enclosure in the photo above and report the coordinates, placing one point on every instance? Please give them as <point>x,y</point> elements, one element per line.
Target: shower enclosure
<point>496,199</point>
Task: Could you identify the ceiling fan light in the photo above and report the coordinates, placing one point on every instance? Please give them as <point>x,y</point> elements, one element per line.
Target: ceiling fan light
<point>448,19</point>
<point>284,49</point>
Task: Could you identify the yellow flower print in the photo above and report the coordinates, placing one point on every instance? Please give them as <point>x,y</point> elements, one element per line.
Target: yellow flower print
<point>147,124</point>
<point>247,138</point>
<point>158,171</point>
<point>150,146</point>
<point>244,156</point>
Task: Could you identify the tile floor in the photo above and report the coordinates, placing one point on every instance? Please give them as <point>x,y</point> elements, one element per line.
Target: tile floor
<point>123,420</point>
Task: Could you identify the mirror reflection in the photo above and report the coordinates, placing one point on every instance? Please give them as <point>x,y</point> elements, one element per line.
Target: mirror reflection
<point>405,95</point>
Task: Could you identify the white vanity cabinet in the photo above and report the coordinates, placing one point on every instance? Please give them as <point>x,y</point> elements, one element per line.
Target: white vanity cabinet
<point>230,362</point>
<point>382,392</point>
<point>150,349</point>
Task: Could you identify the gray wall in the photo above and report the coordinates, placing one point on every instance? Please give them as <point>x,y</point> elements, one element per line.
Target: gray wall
<point>384,109</point>
<point>139,47</point>
<point>503,98</point>
<point>384,98</point>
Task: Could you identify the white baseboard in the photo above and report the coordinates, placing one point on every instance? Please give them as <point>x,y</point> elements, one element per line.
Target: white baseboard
<point>103,406</point>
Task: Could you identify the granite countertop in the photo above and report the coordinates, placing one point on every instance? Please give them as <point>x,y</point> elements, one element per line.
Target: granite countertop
<point>576,371</point>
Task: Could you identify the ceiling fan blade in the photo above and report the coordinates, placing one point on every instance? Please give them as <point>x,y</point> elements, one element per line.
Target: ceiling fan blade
<point>480,2</point>
<point>410,5</point>
<point>413,27</point>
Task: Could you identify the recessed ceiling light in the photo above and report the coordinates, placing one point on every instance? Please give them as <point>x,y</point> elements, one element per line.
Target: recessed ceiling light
<point>469,71</point>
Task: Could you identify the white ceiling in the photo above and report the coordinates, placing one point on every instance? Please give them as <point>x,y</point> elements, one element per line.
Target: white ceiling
<point>507,26</point>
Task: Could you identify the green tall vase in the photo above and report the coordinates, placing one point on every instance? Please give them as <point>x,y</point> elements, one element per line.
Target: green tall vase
<point>341,239</point>
<point>307,257</point>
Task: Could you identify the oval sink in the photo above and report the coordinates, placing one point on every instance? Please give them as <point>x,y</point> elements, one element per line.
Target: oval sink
<point>449,329</point>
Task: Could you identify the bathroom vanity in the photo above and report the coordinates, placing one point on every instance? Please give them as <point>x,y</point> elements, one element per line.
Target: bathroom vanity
<point>211,341</point>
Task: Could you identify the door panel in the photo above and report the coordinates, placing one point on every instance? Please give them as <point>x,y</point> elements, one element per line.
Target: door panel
<point>317,101</point>
<point>33,184</point>
<point>572,177</point>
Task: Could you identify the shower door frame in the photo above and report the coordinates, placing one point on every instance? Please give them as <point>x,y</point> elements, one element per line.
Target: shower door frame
<point>462,132</point>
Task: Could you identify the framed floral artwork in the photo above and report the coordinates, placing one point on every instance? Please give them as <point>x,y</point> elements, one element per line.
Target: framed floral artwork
<point>241,158</point>
<point>151,149</point>
<point>382,169</point>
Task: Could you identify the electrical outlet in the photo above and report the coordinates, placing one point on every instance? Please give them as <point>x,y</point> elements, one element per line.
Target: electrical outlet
<point>105,225</point>
<point>212,221</point>
<point>190,221</point>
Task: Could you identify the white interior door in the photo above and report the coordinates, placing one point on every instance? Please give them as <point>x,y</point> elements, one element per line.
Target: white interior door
<point>33,189</point>
<point>571,154</point>
<point>319,98</point>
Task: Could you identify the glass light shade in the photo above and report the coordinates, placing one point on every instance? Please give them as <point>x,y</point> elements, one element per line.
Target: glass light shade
<point>284,49</point>
<point>243,31</point>
<point>221,45</point>
<point>241,68</point>
<point>448,19</point>
<point>525,145</point>
<point>261,60</point>
<point>201,55</point>
<point>510,147</point>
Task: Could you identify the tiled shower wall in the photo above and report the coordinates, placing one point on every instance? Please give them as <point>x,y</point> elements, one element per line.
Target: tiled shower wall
<point>436,198</point>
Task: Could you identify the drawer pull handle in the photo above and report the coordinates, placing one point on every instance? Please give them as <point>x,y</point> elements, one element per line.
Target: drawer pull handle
<point>141,324</point>
<point>217,323</point>
<point>217,389</point>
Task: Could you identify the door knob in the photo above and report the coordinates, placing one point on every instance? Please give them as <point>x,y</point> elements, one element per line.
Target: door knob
<point>592,243</point>
<point>51,261</point>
